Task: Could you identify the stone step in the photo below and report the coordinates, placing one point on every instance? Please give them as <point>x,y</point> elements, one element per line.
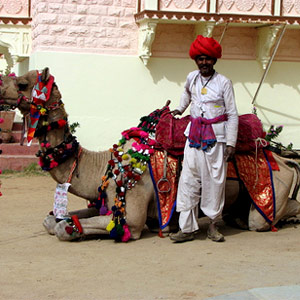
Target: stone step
<point>16,162</point>
<point>17,126</point>
<point>17,149</point>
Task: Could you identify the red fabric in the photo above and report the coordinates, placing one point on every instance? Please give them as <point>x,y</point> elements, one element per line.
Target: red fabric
<point>207,46</point>
<point>272,161</point>
<point>169,133</point>
<point>250,128</point>
<point>201,132</point>
<point>166,201</point>
<point>255,174</point>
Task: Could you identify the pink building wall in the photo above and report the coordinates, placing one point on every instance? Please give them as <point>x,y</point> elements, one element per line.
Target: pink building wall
<point>108,27</point>
<point>97,26</point>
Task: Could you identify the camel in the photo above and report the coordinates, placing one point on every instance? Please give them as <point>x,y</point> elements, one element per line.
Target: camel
<point>91,166</point>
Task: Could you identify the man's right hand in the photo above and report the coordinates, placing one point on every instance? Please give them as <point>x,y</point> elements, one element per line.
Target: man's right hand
<point>175,112</point>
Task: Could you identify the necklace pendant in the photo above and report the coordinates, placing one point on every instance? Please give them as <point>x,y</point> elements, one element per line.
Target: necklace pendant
<point>203,91</point>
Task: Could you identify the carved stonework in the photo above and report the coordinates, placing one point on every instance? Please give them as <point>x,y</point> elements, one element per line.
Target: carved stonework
<point>146,38</point>
<point>260,4</point>
<point>287,5</point>
<point>297,6</point>
<point>200,3</point>
<point>266,40</point>
<point>13,7</point>
<point>183,4</point>
<point>228,3</point>
<point>166,3</point>
<point>15,42</point>
<point>244,5</point>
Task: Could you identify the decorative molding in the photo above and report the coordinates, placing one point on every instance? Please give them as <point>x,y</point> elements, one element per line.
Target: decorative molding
<point>266,40</point>
<point>173,17</point>
<point>204,28</point>
<point>15,43</point>
<point>146,38</point>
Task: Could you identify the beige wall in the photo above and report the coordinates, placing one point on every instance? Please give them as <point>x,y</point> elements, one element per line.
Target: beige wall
<point>107,94</point>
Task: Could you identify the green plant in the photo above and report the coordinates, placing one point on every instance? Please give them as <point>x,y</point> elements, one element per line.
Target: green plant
<point>272,134</point>
<point>73,127</point>
<point>32,170</point>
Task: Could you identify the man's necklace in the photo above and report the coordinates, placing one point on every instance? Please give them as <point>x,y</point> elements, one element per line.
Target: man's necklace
<point>204,89</point>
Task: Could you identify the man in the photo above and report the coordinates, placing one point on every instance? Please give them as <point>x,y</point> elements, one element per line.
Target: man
<point>212,135</point>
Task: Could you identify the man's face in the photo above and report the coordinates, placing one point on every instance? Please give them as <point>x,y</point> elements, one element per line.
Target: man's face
<point>205,64</point>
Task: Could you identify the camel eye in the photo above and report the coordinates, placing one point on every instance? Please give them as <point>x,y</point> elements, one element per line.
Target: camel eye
<point>22,86</point>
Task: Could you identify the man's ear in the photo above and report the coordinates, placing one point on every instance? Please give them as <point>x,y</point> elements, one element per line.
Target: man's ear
<point>45,75</point>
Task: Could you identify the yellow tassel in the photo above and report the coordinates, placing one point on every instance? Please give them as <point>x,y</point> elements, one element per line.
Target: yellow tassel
<point>144,168</point>
<point>110,226</point>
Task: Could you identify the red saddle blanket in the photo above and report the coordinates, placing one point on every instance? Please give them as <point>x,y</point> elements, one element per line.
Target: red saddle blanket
<point>170,133</point>
<point>256,174</point>
<point>165,188</point>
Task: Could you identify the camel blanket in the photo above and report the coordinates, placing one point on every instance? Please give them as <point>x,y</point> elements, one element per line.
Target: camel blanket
<point>165,188</point>
<point>256,174</point>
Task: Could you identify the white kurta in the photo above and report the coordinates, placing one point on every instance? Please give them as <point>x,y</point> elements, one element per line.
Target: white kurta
<point>206,169</point>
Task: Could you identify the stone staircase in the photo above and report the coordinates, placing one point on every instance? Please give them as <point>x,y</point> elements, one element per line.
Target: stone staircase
<point>14,156</point>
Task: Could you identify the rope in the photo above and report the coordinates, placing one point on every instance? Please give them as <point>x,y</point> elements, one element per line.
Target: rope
<point>74,165</point>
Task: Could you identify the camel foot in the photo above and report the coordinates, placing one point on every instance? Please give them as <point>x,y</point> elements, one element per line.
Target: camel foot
<point>64,231</point>
<point>49,223</point>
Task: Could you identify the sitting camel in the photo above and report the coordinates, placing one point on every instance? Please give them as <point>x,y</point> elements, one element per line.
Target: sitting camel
<point>83,169</point>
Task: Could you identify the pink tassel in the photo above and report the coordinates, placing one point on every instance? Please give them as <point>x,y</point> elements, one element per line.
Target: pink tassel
<point>1,120</point>
<point>126,236</point>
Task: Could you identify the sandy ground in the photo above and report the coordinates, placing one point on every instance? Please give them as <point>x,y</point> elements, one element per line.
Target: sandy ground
<point>35,265</point>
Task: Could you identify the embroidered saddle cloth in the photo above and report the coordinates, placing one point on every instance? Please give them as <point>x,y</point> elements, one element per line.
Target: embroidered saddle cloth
<point>256,174</point>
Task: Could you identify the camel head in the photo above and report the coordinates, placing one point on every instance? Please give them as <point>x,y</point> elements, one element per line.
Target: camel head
<point>16,91</point>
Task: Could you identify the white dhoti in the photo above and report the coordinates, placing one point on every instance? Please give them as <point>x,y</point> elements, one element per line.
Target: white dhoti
<point>202,177</point>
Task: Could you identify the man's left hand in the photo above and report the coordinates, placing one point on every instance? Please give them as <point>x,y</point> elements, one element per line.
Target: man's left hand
<point>229,153</point>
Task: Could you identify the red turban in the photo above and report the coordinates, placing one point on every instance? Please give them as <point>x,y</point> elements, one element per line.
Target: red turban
<point>206,46</point>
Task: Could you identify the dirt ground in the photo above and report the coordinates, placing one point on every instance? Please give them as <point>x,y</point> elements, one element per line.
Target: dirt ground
<point>35,265</point>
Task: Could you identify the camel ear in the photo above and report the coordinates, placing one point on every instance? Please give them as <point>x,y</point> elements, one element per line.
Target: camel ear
<point>22,83</point>
<point>45,75</point>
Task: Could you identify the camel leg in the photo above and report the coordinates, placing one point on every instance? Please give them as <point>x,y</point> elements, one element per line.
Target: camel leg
<point>91,226</point>
<point>50,222</point>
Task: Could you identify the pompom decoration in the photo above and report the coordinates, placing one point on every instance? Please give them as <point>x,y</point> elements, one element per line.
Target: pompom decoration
<point>126,169</point>
<point>1,120</point>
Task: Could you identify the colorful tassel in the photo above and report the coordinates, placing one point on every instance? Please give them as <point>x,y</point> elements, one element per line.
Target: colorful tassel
<point>110,226</point>
<point>126,236</point>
